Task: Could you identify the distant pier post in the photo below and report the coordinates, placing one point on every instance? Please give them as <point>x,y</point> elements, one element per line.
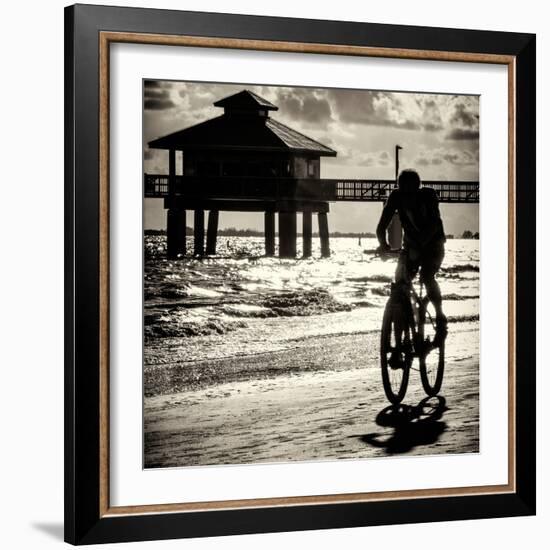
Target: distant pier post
<point>287,234</point>
<point>199,233</point>
<point>171,172</point>
<point>323,234</point>
<point>212,232</point>
<point>175,233</point>
<point>395,232</point>
<point>306,233</point>
<point>269,232</point>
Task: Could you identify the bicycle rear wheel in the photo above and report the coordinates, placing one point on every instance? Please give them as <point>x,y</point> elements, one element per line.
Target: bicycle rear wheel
<point>396,350</point>
<point>431,357</point>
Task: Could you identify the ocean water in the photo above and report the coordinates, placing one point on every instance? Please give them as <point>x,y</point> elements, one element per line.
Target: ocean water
<point>240,303</point>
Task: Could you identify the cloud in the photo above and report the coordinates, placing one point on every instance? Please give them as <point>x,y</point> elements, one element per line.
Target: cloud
<point>158,104</point>
<point>462,158</point>
<point>462,134</point>
<point>157,84</point>
<point>356,157</point>
<point>301,106</point>
<point>405,111</point>
<point>198,96</point>
<point>464,117</point>
<point>371,108</point>
<point>304,105</point>
<point>383,158</point>
<point>442,156</point>
<point>390,111</point>
<point>316,110</point>
<point>464,120</point>
<point>431,115</point>
<point>439,131</point>
<point>456,116</point>
<point>156,95</point>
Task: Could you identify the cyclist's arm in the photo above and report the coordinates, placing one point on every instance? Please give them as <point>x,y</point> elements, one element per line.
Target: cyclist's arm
<point>387,213</point>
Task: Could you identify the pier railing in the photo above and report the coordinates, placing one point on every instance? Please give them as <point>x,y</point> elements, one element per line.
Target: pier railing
<point>266,188</point>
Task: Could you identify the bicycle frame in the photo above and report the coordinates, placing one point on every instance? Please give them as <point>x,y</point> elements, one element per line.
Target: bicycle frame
<point>419,306</point>
<point>410,340</point>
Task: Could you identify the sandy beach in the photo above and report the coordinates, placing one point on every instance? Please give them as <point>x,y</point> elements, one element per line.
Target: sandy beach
<point>323,399</point>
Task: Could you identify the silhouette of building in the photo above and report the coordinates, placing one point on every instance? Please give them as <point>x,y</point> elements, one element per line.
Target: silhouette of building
<point>245,161</point>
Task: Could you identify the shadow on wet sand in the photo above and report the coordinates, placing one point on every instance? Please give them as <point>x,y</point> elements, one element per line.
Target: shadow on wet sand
<point>410,426</point>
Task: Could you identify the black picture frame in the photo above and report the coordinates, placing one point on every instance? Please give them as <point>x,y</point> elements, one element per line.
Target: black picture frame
<point>84,522</point>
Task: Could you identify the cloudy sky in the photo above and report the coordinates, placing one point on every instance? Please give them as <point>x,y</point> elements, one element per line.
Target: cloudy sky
<point>439,135</point>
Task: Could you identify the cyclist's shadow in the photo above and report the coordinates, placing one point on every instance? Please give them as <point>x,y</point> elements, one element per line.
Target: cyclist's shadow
<point>412,426</point>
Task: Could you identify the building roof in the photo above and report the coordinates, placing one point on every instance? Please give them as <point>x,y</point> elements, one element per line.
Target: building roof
<point>296,140</point>
<point>245,100</point>
<point>246,133</point>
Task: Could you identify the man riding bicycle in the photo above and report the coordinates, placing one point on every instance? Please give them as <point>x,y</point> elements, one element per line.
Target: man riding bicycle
<point>424,238</point>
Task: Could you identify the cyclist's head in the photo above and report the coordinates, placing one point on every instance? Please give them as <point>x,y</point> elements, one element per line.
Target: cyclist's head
<point>409,181</point>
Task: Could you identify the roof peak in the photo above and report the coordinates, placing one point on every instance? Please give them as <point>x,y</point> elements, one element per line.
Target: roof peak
<point>245,100</point>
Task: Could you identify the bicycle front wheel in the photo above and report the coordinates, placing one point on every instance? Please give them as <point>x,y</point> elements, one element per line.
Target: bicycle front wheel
<point>396,351</point>
<point>431,357</point>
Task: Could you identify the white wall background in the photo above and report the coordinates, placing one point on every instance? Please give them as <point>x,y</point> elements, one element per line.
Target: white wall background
<point>31,275</point>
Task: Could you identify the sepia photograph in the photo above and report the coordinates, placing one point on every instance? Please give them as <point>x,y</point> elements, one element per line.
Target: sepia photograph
<point>311,274</point>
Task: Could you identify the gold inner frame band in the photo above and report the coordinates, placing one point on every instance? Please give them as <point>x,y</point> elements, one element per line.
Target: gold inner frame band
<point>105,39</point>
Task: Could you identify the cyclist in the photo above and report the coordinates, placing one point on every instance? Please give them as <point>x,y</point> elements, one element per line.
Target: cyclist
<point>423,242</point>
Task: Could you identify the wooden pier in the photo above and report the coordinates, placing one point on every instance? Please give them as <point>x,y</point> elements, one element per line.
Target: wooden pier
<point>284,197</point>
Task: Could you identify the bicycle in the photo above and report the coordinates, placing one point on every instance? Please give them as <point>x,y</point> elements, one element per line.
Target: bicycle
<point>408,331</point>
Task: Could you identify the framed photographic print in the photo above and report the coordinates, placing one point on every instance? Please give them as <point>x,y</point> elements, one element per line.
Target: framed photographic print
<point>299,274</point>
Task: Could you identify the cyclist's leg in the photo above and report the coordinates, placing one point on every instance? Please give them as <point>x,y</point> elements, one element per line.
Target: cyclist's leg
<point>404,274</point>
<point>431,262</point>
<point>407,267</point>
<point>434,293</point>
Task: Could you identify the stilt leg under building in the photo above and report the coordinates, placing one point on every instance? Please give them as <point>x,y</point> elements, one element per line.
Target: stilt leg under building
<point>212,232</point>
<point>199,233</point>
<point>287,234</point>
<point>323,234</point>
<point>175,233</point>
<point>306,233</point>
<point>269,232</point>
<point>395,232</point>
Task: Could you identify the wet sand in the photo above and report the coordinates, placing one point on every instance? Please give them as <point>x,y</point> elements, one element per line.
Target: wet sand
<point>321,400</point>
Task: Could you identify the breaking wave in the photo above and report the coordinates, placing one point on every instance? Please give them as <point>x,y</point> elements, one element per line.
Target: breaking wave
<point>462,318</point>
<point>289,304</point>
<point>460,268</point>
<point>313,302</point>
<point>169,327</point>
<point>459,297</point>
<point>371,279</point>
<point>239,303</point>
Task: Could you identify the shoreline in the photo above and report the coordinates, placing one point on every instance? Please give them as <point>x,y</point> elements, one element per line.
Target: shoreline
<point>196,375</point>
<point>323,411</point>
<point>327,352</point>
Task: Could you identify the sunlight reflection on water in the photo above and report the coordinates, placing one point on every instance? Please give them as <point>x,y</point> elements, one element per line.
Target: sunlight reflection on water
<point>240,303</point>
